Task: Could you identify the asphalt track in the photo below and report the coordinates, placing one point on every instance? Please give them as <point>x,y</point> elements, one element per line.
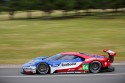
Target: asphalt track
<point>12,75</point>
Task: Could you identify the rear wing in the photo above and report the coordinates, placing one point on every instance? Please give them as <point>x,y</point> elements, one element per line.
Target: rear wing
<point>111,54</point>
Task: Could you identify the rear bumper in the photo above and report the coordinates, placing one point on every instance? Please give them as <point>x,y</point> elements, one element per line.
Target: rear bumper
<point>108,69</point>
<point>28,70</point>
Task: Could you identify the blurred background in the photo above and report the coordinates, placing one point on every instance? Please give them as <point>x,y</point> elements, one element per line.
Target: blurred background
<point>33,28</point>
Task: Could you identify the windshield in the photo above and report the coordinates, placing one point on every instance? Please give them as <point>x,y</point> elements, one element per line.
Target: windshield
<point>62,57</point>
<point>55,57</point>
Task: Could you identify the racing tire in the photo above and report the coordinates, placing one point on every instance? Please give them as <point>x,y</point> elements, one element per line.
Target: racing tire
<point>43,68</point>
<point>95,67</point>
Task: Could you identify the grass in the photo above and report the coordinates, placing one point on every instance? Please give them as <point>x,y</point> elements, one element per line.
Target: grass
<point>22,40</point>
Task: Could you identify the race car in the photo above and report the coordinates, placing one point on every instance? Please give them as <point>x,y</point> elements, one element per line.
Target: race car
<point>70,62</point>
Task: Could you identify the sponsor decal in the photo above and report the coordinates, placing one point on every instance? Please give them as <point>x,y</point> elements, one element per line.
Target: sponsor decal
<point>85,66</point>
<point>68,64</point>
<point>70,72</point>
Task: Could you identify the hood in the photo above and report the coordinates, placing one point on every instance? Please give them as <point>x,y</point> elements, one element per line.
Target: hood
<point>40,58</point>
<point>35,61</point>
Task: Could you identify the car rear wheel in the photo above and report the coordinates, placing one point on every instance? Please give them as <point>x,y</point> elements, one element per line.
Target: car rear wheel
<point>95,67</point>
<point>43,68</point>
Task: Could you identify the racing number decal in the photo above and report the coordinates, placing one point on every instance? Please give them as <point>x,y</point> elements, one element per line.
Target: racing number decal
<point>85,66</point>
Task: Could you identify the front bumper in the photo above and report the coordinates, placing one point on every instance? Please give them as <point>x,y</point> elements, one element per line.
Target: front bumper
<point>29,70</point>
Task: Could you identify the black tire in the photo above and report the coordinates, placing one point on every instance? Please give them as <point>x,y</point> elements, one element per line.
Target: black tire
<point>43,68</point>
<point>95,67</point>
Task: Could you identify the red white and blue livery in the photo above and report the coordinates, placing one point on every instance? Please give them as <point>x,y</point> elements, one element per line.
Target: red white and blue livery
<point>70,62</point>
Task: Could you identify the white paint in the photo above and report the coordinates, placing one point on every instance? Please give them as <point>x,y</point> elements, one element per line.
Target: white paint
<point>66,75</point>
<point>109,51</point>
<point>65,67</point>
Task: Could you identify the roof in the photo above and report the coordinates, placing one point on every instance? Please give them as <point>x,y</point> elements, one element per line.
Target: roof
<point>77,54</point>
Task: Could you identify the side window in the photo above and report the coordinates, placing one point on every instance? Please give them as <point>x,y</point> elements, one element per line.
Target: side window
<point>79,58</point>
<point>68,57</point>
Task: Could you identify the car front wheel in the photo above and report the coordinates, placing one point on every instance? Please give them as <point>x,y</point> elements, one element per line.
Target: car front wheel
<point>43,68</point>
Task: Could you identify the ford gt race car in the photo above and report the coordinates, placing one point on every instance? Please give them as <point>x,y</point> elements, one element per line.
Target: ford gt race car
<point>70,62</point>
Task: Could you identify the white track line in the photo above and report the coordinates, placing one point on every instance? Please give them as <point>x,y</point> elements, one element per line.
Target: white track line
<point>118,63</point>
<point>46,76</point>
